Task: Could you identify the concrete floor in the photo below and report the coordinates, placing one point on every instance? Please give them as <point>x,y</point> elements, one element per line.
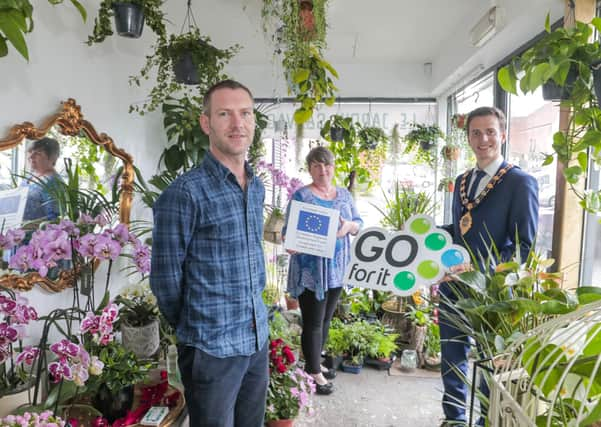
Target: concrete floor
<point>376,399</point>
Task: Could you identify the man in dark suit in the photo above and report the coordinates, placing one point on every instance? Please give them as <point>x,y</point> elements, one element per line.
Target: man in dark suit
<point>492,203</point>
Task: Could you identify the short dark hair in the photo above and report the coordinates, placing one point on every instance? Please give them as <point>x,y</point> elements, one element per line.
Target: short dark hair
<point>49,146</point>
<point>486,111</point>
<point>224,84</point>
<point>320,155</point>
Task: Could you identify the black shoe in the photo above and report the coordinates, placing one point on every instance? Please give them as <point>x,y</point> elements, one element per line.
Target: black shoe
<point>330,374</point>
<point>324,389</point>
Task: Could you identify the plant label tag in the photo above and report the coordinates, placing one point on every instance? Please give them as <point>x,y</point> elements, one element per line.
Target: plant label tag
<point>154,416</point>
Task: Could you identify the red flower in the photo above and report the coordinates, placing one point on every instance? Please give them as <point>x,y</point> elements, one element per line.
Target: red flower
<point>288,354</point>
<point>281,368</point>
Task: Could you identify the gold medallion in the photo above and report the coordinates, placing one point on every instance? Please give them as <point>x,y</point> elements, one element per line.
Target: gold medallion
<point>465,223</point>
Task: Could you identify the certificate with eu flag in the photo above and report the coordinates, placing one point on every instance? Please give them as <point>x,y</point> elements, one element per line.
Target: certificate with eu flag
<point>311,229</point>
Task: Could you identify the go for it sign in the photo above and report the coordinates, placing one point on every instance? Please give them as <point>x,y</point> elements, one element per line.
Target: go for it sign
<point>402,262</point>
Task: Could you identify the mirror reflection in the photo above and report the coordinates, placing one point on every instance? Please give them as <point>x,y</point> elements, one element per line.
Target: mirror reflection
<point>64,152</point>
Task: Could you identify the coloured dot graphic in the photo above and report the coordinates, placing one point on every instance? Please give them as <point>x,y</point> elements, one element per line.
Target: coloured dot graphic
<point>406,260</point>
<point>420,225</point>
<point>428,269</point>
<point>435,241</point>
<point>452,257</point>
<point>404,280</point>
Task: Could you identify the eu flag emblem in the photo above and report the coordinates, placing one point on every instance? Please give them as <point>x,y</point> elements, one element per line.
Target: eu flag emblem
<point>311,222</point>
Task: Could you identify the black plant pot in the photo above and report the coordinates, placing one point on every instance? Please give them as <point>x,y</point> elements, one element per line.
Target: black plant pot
<point>336,133</point>
<point>553,92</point>
<point>185,71</point>
<point>129,19</point>
<point>427,145</point>
<point>596,71</point>
<point>332,362</point>
<point>113,406</point>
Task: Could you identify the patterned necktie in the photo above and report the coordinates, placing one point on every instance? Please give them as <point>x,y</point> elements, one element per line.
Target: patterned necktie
<point>479,175</point>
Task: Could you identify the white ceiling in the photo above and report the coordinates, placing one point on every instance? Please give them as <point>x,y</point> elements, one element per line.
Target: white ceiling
<point>360,32</point>
<point>380,46</point>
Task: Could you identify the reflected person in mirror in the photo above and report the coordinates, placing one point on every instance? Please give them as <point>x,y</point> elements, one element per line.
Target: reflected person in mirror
<point>42,155</point>
<point>208,269</point>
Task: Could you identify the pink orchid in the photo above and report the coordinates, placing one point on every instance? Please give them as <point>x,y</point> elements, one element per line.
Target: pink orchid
<point>65,348</point>
<point>28,355</point>
<point>59,370</point>
<point>8,334</point>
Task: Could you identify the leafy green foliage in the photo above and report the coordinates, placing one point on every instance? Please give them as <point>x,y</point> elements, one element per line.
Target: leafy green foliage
<point>153,17</point>
<point>299,33</point>
<point>403,203</point>
<point>418,137</point>
<point>311,83</point>
<point>208,60</point>
<point>557,56</point>
<point>353,157</point>
<point>16,19</point>
<point>499,305</point>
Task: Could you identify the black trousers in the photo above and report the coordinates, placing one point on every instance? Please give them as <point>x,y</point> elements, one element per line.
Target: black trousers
<point>316,324</point>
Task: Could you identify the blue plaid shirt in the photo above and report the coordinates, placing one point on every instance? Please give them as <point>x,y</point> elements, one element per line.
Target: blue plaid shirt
<point>208,267</point>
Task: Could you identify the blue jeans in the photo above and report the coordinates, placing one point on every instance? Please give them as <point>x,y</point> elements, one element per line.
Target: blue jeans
<point>224,392</point>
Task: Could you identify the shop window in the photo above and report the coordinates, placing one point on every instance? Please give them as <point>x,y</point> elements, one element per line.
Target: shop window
<point>532,123</point>
<point>591,253</point>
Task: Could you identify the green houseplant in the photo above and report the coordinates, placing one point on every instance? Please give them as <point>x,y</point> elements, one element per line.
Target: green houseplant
<point>208,63</point>
<point>298,30</point>
<point>350,152</point>
<point>401,204</point>
<point>421,140</point>
<point>16,19</point>
<point>151,14</point>
<point>565,56</point>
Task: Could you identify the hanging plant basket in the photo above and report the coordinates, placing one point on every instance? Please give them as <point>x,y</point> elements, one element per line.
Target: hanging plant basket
<point>451,152</point>
<point>553,92</point>
<point>427,145</point>
<point>336,133</point>
<point>185,71</point>
<point>129,19</point>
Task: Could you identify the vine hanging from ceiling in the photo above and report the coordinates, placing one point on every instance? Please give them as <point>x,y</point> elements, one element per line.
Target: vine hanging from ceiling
<point>298,31</point>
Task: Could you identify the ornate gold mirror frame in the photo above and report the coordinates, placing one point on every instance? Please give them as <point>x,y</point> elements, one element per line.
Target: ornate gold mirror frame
<point>70,122</point>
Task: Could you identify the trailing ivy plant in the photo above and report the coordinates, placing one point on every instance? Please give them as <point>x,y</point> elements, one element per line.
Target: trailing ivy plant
<point>16,19</point>
<point>103,28</point>
<point>551,59</point>
<point>311,82</point>
<point>208,59</point>
<point>298,30</point>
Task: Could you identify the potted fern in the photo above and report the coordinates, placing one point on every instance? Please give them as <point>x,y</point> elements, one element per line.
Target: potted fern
<point>129,19</point>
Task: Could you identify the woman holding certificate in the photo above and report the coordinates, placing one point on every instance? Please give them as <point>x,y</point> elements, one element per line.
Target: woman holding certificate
<point>317,281</point>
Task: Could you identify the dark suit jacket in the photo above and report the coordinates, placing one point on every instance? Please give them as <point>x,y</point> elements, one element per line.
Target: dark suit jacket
<point>512,205</point>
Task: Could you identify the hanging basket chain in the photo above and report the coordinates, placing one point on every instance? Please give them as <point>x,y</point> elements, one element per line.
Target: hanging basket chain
<point>189,19</point>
